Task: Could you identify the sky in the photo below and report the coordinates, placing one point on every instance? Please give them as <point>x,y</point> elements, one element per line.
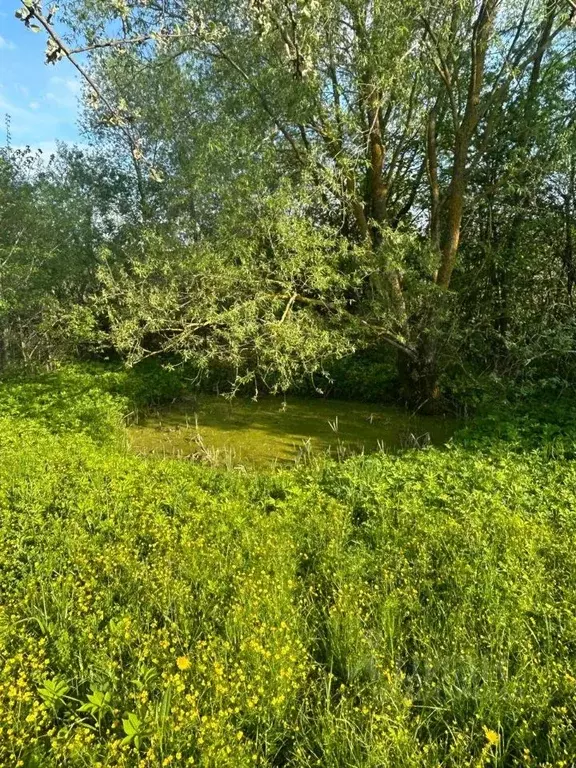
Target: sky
<point>41,99</point>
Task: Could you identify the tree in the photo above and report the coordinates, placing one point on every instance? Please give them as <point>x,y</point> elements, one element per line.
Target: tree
<point>380,112</point>
<point>54,213</point>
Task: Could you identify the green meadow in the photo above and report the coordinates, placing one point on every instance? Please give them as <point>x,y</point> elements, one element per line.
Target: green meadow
<point>414,607</point>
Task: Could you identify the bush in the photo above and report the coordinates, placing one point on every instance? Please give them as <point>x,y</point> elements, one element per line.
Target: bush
<point>369,376</point>
<point>152,384</point>
<point>89,399</point>
<point>546,425</point>
<point>72,400</point>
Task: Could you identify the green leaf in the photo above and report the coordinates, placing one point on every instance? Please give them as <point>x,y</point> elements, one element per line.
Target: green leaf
<point>54,691</point>
<point>156,175</point>
<point>132,723</point>
<point>146,678</point>
<point>165,703</point>
<point>98,703</point>
<point>133,729</point>
<point>34,27</point>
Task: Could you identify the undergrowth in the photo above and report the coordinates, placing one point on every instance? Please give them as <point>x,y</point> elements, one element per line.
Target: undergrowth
<point>94,400</point>
<point>412,610</point>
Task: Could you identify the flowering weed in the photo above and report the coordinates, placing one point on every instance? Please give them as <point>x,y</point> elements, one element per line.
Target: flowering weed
<point>416,610</point>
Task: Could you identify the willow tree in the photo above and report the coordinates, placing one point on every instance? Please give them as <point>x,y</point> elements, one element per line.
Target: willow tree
<point>379,108</point>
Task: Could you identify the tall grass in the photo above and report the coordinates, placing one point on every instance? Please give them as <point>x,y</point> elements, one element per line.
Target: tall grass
<point>412,610</point>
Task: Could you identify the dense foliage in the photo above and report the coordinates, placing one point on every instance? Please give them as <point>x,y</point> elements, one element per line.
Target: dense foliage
<point>277,185</point>
<point>410,610</point>
<point>356,197</point>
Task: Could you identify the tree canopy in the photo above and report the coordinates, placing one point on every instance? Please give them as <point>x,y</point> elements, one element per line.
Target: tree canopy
<point>289,181</point>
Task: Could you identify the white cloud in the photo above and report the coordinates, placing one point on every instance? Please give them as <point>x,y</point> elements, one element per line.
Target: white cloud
<point>6,45</point>
<point>70,84</point>
<point>34,105</point>
<point>33,125</point>
<point>64,92</point>
<point>13,109</point>
<point>74,86</point>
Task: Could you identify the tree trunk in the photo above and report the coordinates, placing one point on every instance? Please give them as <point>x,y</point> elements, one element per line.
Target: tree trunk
<point>462,140</point>
<point>418,377</point>
<point>419,374</point>
<point>568,254</point>
<point>454,211</point>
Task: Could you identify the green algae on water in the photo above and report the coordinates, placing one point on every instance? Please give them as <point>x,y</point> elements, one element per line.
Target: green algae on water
<point>277,430</point>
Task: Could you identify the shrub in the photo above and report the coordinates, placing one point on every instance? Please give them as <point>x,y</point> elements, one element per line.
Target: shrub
<point>68,401</point>
<point>89,399</point>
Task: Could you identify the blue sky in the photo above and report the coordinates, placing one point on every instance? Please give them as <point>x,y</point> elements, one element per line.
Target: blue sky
<point>42,100</point>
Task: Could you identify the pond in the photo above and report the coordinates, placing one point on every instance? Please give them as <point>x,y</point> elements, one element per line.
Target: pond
<point>274,430</point>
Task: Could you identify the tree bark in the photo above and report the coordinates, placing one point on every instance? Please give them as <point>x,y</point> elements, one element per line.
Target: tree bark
<point>418,378</point>
<point>450,239</point>
<point>568,255</point>
<point>432,170</point>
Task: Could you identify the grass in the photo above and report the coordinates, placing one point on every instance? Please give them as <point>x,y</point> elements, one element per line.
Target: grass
<point>415,609</point>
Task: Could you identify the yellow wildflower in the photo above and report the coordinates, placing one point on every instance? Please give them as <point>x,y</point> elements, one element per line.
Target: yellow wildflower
<point>491,736</point>
<point>183,663</point>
